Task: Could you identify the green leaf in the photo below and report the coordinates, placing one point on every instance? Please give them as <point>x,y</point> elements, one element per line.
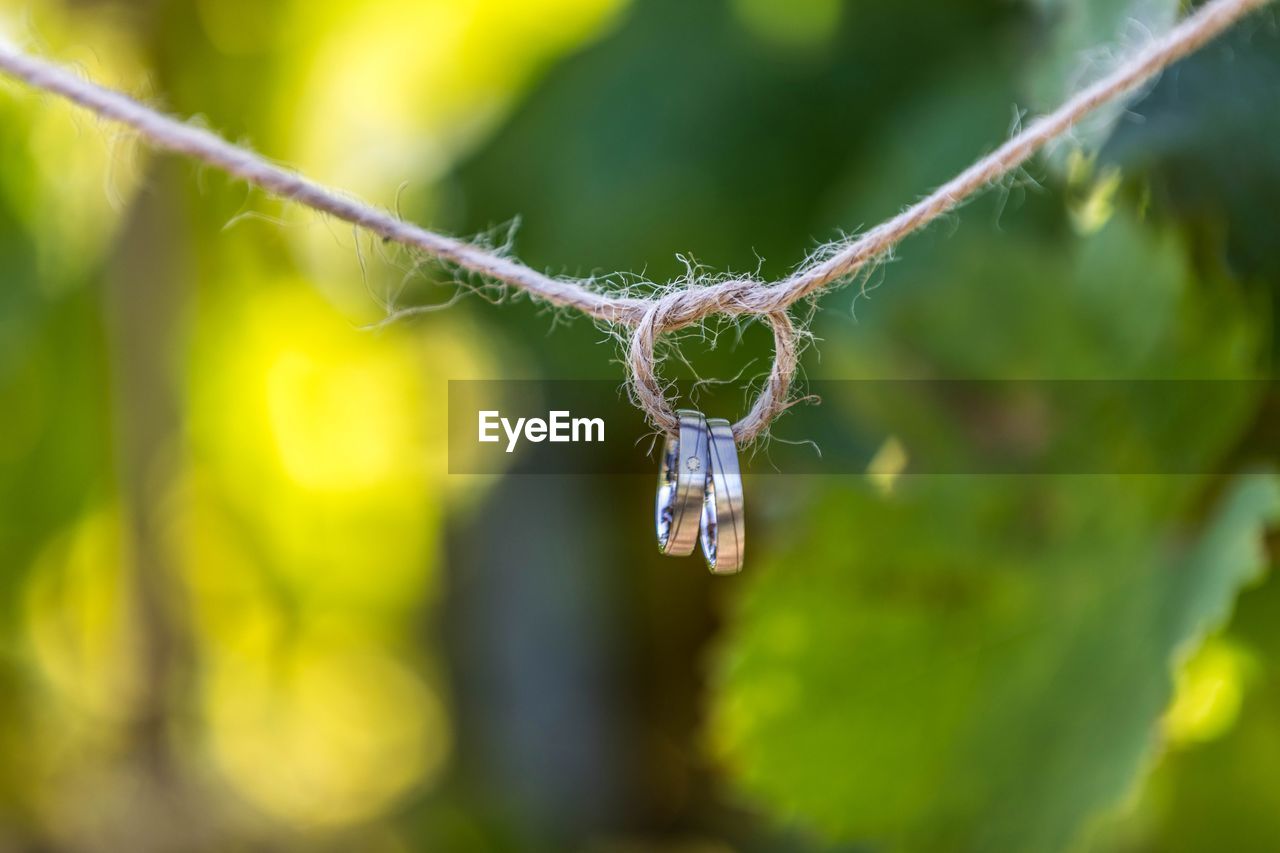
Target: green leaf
<point>981,663</point>
<point>989,686</point>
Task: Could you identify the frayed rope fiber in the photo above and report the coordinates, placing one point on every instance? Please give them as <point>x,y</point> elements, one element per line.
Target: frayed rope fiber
<point>677,307</point>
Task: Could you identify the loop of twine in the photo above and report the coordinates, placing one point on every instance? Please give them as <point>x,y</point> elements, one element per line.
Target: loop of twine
<point>649,318</point>
<point>685,307</point>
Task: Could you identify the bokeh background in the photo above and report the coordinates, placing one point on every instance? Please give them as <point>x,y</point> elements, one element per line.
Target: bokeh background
<point>243,606</point>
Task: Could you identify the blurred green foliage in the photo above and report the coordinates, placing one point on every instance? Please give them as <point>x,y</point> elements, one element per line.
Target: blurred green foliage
<point>243,606</point>
<point>942,693</point>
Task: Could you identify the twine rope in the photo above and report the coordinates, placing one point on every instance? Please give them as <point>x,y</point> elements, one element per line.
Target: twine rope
<point>680,306</point>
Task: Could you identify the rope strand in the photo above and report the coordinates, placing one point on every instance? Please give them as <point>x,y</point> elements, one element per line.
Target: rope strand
<point>678,308</point>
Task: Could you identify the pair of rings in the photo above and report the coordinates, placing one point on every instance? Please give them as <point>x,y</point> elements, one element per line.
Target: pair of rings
<point>700,493</point>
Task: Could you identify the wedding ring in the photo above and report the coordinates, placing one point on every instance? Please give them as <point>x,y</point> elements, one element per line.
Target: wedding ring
<point>681,483</point>
<point>723,524</point>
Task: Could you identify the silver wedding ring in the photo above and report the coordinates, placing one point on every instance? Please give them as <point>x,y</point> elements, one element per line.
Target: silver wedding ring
<point>682,482</point>
<point>723,524</point>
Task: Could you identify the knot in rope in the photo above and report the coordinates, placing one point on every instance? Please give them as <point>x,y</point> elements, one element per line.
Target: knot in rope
<point>681,308</point>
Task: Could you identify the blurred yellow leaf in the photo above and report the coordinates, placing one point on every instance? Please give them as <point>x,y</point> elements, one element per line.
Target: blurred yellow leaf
<point>322,735</point>
<point>1209,691</point>
<point>396,89</point>
<point>319,434</point>
<point>80,620</point>
<point>71,178</point>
